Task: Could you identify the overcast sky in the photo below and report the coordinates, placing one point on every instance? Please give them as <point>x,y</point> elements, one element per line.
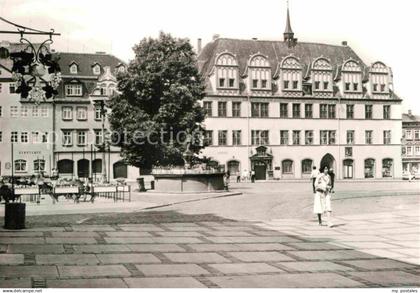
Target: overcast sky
<point>386,30</point>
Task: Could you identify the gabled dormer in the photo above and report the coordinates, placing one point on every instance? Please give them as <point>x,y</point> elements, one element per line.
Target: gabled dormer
<point>96,68</point>
<point>258,74</point>
<point>351,79</point>
<point>226,77</point>
<point>120,68</point>
<point>291,76</point>
<point>380,80</point>
<point>322,77</point>
<point>73,68</point>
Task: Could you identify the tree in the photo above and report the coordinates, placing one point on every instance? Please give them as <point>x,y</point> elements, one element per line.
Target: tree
<point>158,103</point>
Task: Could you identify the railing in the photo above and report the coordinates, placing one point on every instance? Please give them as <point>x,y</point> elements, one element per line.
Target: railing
<point>115,192</point>
<point>168,170</point>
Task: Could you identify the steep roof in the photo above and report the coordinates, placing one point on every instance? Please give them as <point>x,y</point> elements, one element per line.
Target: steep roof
<point>275,51</point>
<point>85,61</point>
<point>410,118</point>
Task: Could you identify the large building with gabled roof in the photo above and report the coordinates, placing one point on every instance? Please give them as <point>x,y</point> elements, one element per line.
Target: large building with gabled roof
<point>281,107</point>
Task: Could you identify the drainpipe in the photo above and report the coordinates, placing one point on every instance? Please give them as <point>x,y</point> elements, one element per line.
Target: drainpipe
<point>248,133</point>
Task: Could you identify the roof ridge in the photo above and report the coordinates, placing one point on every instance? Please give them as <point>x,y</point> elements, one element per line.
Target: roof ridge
<point>281,41</point>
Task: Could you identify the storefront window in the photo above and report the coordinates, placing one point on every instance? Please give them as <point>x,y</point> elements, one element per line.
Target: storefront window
<point>369,168</point>
<point>387,168</point>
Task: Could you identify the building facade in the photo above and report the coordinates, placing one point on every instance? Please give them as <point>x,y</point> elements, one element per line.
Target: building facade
<point>281,107</point>
<point>67,132</point>
<point>411,143</point>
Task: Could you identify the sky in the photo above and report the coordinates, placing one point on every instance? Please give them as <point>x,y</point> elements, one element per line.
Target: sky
<point>385,30</point>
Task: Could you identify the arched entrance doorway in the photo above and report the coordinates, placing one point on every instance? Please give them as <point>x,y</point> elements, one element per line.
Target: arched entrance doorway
<point>83,168</point>
<point>65,167</point>
<point>260,169</point>
<point>233,168</point>
<point>327,161</point>
<point>120,170</point>
<point>261,163</point>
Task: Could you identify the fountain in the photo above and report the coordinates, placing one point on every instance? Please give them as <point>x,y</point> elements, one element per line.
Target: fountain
<point>188,179</point>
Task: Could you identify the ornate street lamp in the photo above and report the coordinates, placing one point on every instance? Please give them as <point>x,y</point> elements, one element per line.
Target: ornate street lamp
<point>35,69</point>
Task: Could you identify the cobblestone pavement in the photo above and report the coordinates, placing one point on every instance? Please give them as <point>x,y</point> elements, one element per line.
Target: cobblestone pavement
<point>179,250</point>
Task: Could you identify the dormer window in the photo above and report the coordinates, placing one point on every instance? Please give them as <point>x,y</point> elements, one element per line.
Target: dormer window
<point>259,72</point>
<point>73,68</point>
<point>347,85</point>
<point>221,82</point>
<point>231,82</point>
<point>264,83</point>
<point>255,83</point>
<point>96,69</point>
<point>380,77</point>
<point>74,90</point>
<point>321,74</point>
<point>291,74</point>
<point>121,68</point>
<point>352,76</point>
<point>227,71</point>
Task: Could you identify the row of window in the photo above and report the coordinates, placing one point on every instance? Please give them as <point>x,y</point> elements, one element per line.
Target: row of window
<point>26,111</point>
<point>411,134</point>
<point>42,137</point>
<point>21,165</point>
<point>81,137</point>
<point>326,111</point>
<point>76,90</point>
<point>287,167</point>
<point>81,113</point>
<point>294,85</point>
<point>411,150</point>
<point>26,137</point>
<point>261,137</point>
<point>96,69</point>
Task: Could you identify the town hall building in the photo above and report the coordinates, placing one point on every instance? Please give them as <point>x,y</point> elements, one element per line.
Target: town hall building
<point>281,107</point>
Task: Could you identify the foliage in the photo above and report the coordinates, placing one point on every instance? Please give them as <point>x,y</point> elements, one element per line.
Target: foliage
<point>158,100</point>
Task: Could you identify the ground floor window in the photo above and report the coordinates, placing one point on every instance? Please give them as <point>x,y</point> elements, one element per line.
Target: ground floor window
<point>348,169</point>
<point>97,166</point>
<point>287,166</point>
<point>20,166</point>
<point>65,166</point>
<point>306,166</point>
<point>369,168</point>
<point>39,165</point>
<point>387,166</point>
<point>120,170</point>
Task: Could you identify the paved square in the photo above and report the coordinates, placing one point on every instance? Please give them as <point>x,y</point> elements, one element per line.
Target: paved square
<point>360,251</point>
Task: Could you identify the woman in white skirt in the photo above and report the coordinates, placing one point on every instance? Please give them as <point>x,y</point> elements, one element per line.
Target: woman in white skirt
<point>322,184</point>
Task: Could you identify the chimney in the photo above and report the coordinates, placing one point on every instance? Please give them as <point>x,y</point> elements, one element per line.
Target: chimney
<point>198,46</point>
<point>216,36</point>
<point>254,39</point>
<point>100,53</point>
<point>344,43</point>
<point>409,113</point>
<point>52,50</point>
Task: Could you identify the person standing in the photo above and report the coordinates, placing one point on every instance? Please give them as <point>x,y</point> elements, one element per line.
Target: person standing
<point>332,177</point>
<point>252,176</point>
<point>314,174</point>
<point>322,184</point>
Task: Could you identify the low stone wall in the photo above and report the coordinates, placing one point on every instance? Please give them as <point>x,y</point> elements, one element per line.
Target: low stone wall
<point>194,182</point>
